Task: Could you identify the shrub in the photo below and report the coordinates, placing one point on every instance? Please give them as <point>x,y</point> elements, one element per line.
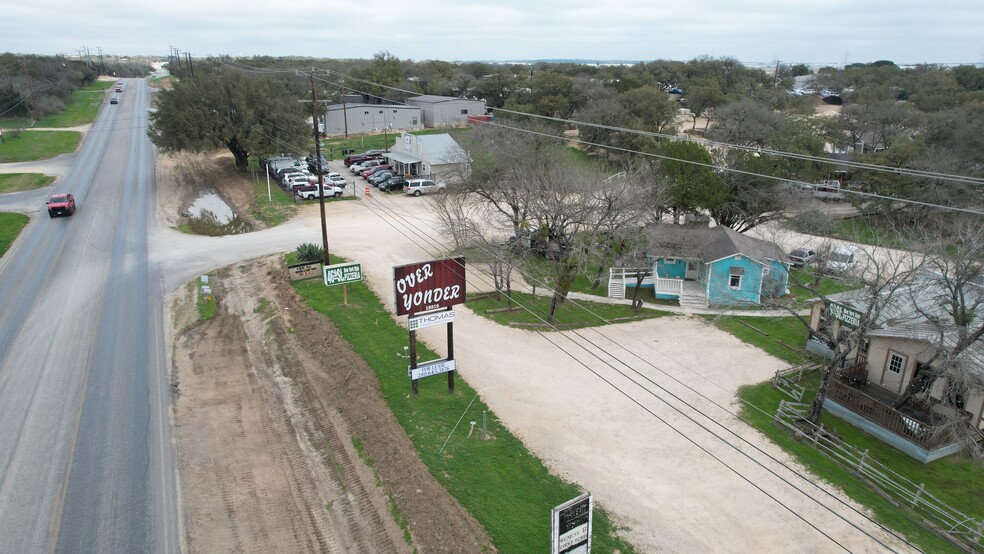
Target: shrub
<point>309,252</point>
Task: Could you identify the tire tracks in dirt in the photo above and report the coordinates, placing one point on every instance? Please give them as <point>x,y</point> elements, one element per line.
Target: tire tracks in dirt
<point>267,400</point>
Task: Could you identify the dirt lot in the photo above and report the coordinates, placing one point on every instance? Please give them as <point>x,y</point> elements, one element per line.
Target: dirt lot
<point>267,400</point>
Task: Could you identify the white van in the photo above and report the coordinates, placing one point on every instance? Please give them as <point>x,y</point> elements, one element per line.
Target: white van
<point>841,259</point>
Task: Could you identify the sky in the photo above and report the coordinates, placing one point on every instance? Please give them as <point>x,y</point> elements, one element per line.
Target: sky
<point>819,32</point>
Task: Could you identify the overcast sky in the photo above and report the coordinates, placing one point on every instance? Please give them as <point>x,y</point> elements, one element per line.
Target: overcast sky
<point>753,31</point>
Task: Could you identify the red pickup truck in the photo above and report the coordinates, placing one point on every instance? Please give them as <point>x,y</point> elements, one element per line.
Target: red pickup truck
<point>61,204</point>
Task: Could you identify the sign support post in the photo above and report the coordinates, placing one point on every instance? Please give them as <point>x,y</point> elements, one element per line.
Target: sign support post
<point>451,355</point>
<point>413,363</point>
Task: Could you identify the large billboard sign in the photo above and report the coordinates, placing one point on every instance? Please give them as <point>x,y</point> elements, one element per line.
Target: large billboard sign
<point>427,286</point>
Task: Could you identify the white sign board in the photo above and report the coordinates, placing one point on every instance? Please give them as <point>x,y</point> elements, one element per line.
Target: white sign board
<point>339,274</point>
<point>430,320</point>
<point>570,526</point>
<point>431,368</point>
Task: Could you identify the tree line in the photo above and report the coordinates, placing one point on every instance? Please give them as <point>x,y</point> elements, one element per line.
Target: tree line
<point>36,86</point>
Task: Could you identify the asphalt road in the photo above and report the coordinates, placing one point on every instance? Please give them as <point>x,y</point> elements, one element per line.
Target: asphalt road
<point>86,463</point>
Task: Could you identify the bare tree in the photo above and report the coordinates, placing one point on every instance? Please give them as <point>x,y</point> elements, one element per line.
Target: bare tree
<point>883,277</point>
<point>950,300</point>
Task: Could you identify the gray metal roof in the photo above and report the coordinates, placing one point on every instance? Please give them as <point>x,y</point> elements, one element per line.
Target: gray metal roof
<point>434,99</point>
<point>441,149</point>
<point>711,244</point>
<point>333,107</point>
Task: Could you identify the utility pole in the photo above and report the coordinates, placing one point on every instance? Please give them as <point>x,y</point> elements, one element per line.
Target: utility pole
<point>177,56</point>
<point>190,68</point>
<point>321,173</point>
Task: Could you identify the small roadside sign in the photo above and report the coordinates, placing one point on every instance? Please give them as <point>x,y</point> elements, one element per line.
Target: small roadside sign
<point>300,272</point>
<point>339,274</point>
<point>431,368</point>
<point>419,322</point>
<point>570,526</point>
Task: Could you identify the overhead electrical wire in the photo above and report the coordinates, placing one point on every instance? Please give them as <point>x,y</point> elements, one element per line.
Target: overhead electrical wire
<point>634,400</point>
<point>626,365</point>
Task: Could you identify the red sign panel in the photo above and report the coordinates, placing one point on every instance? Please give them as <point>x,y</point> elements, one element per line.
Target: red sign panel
<point>427,286</point>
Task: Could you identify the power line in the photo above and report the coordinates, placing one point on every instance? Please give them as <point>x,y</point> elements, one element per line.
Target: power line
<point>577,359</point>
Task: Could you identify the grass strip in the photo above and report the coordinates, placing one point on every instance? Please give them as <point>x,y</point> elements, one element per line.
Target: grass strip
<point>81,108</point>
<point>532,312</point>
<point>956,480</point>
<point>38,145</point>
<point>508,490</point>
<point>17,182</point>
<point>788,330</point>
<point>275,208</point>
<point>11,225</point>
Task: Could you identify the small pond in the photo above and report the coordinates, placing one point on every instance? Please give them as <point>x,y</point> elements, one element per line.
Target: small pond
<point>210,215</point>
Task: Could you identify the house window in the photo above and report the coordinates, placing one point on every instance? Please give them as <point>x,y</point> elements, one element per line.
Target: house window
<point>895,362</point>
<point>413,120</point>
<point>734,278</point>
<point>464,112</point>
<point>367,112</point>
<point>670,260</point>
<point>380,111</point>
<point>394,111</point>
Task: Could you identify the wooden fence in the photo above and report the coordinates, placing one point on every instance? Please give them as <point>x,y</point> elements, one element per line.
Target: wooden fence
<point>957,528</point>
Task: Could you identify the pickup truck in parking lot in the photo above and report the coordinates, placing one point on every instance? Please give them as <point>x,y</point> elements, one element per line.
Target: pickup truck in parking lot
<point>309,192</point>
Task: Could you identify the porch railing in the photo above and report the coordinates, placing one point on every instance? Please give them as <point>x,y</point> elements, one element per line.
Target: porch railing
<point>661,285</point>
<point>857,401</point>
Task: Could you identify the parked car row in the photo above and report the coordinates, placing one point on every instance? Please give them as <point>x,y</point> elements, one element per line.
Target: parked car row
<point>841,259</point>
<point>296,177</point>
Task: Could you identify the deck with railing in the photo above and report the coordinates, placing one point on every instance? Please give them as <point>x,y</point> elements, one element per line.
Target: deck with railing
<point>621,278</point>
<point>851,391</point>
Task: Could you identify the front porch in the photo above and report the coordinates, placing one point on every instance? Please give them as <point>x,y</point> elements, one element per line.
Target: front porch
<point>688,292</point>
<point>869,407</point>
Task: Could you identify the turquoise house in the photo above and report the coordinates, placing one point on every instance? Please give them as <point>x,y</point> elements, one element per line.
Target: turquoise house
<point>703,266</point>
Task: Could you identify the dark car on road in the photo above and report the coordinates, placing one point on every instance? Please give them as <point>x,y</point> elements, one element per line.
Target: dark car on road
<point>395,182</point>
<point>61,204</point>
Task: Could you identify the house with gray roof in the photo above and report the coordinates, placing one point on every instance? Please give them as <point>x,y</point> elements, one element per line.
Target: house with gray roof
<point>446,111</point>
<point>438,157</point>
<point>703,266</point>
<point>913,335</point>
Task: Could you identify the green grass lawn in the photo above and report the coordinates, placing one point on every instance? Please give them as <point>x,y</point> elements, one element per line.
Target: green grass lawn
<point>16,182</point>
<point>80,109</point>
<point>10,226</point>
<point>275,208</point>
<point>827,285</point>
<point>870,230</point>
<point>572,314</point>
<point>785,340</point>
<point>38,145</point>
<point>508,490</point>
<point>955,480</point>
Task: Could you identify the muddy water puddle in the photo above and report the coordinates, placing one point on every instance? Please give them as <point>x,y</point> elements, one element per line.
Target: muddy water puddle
<point>210,215</point>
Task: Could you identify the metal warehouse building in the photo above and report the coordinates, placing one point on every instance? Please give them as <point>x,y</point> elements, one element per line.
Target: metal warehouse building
<point>368,118</point>
<point>446,111</point>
